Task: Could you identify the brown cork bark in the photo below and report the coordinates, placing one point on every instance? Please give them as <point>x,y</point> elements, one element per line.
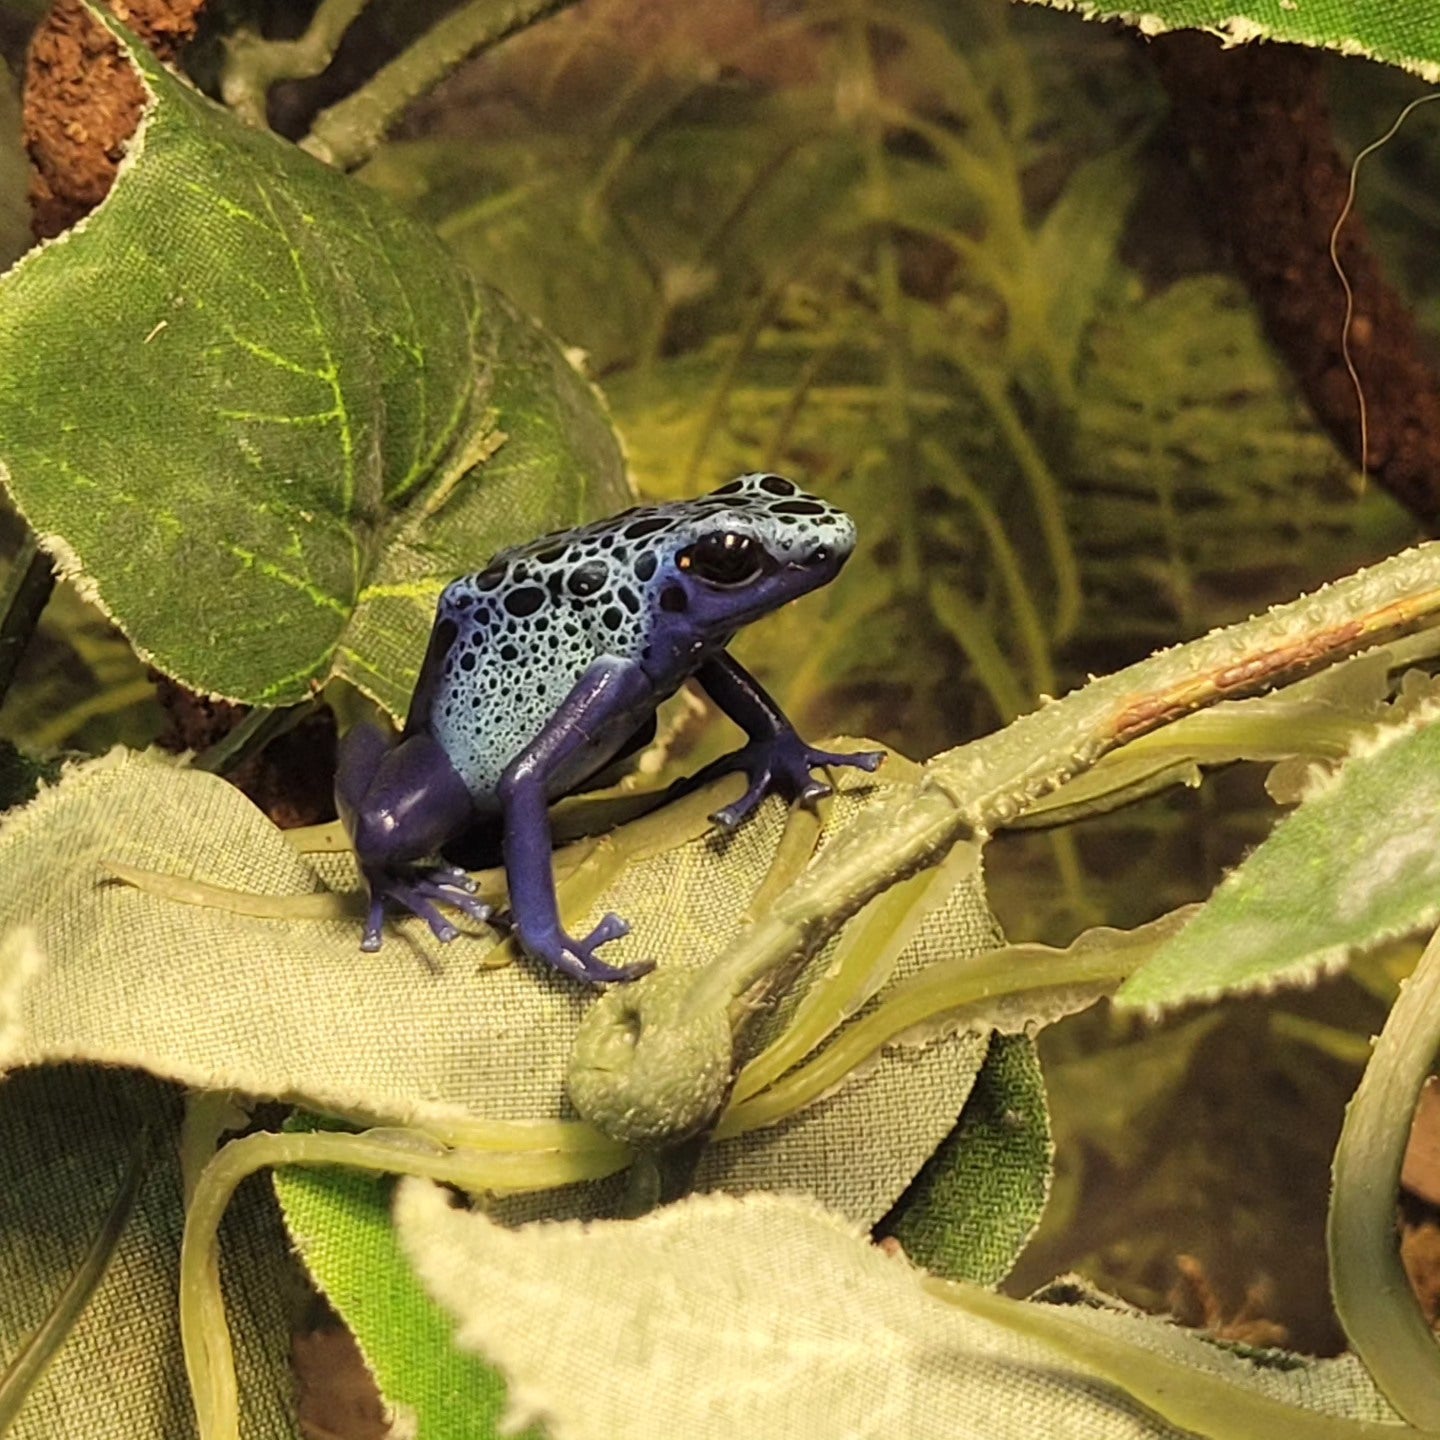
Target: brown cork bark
<point>82,102</point>
<point>1258,122</point>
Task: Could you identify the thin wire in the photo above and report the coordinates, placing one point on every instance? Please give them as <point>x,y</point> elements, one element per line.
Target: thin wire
<point>1344,279</point>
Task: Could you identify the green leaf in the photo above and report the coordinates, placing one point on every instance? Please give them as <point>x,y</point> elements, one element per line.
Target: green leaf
<point>1381,1312</point>
<point>246,403</point>
<point>1404,35</point>
<point>1357,863</point>
<point>143,978</point>
<point>972,1208</point>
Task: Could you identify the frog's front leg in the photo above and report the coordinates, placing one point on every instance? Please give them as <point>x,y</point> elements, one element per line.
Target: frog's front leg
<point>777,760</point>
<point>610,690</point>
<point>399,804</point>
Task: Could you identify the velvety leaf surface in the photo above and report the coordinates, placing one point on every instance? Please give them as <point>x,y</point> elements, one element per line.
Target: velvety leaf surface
<point>245,399</point>
<point>977,1200</point>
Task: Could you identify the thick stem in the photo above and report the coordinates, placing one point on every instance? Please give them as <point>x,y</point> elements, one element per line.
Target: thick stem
<point>251,736</point>
<point>533,1163</point>
<point>1186,1391</point>
<point>970,791</point>
<point>348,132</point>
<point>1382,1318</point>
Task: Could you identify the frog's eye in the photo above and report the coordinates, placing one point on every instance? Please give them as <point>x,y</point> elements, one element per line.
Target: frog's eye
<point>724,558</point>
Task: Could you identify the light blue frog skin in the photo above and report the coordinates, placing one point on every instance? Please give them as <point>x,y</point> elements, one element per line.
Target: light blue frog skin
<point>548,665</point>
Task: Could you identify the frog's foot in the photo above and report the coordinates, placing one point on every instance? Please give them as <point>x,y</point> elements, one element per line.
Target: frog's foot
<point>577,958</point>
<point>781,765</point>
<point>418,892</point>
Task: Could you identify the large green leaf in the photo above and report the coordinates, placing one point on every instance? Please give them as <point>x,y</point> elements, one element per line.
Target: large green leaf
<point>1407,34</point>
<point>979,1197</point>
<point>244,404</point>
<point>131,976</point>
<point>341,1223</point>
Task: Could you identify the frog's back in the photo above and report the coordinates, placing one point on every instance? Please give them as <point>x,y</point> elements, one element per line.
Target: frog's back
<point>512,640</point>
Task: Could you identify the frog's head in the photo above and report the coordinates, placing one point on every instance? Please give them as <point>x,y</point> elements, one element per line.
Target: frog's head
<point>745,550</point>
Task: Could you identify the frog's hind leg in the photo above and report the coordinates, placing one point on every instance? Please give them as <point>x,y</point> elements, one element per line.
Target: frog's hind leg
<point>401,804</point>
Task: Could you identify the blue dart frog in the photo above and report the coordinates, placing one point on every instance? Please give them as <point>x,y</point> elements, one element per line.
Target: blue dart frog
<point>547,666</point>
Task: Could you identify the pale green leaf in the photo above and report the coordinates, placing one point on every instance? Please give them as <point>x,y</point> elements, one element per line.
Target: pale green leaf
<point>766,1317</point>
<point>132,976</point>
<point>1356,864</point>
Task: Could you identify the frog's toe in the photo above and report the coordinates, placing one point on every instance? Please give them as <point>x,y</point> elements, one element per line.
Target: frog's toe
<point>577,958</point>
<point>731,815</point>
<point>870,760</point>
<point>448,893</point>
<point>454,877</point>
<point>597,972</point>
<point>811,791</point>
<point>611,927</point>
<point>370,936</point>
<point>420,894</point>
<point>413,897</point>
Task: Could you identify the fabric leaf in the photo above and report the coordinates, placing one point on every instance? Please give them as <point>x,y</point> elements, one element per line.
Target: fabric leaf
<point>330,383</point>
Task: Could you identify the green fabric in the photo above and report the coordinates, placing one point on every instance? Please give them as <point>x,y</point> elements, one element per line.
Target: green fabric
<point>349,420</point>
<point>979,1198</point>
<point>66,1136</point>
<point>340,1222</point>
<point>1401,32</point>
<point>768,1318</point>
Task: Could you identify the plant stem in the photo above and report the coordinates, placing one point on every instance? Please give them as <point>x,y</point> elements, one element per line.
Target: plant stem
<point>1380,1314</point>
<point>1182,1390</point>
<point>348,132</point>
<point>32,578</point>
<point>534,1162</point>
<point>250,736</point>
<point>966,793</point>
<point>254,64</point>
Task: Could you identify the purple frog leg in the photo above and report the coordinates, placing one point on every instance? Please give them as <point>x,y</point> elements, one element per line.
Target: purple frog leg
<point>777,760</point>
<point>610,687</point>
<point>401,803</point>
